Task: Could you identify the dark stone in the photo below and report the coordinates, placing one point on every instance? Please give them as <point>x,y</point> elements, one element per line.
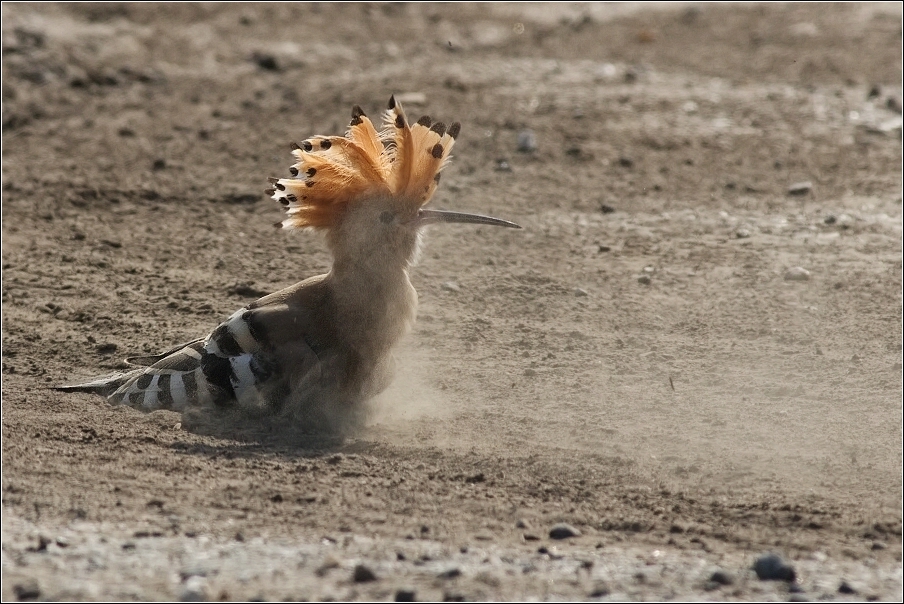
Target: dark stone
<point>450,574</point>
<point>563,531</point>
<point>845,588</point>
<point>405,595</point>
<point>722,578</point>
<point>600,590</point>
<point>363,574</point>
<point>28,590</point>
<point>266,61</point>
<point>770,567</point>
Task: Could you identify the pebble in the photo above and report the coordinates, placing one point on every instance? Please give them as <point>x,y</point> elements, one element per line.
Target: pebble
<point>266,61</point>
<point>722,578</point>
<point>195,590</point>
<point>797,273</point>
<point>28,590</point>
<point>600,590</point>
<point>800,188</point>
<point>450,574</point>
<point>770,567</point>
<point>363,574</point>
<point>845,588</point>
<point>563,531</point>
<point>502,165</point>
<point>451,286</point>
<point>580,293</point>
<point>644,279</point>
<point>527,141</point>
<point>405,595</point>
<point>742,234</point>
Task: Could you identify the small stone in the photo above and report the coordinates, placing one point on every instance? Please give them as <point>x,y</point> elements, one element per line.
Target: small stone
<point>644,279</point>
<point>563,531</point>
<point>502,165</point>
<point>770,567</point>
<point>600,590</point>
<point>606,208</point>
<point>527,141</point>
<point>530,372</point>
<point>450,574</point>
<point>62,542</point>
<point>106,348</point>
<point>845,588</point>
<point>522,524</point>
<point>450,286</point>
<point>266,61</point>
<point>530,537</point>
<point>405,595</point>
<point>742,234</point>
<point>797,273</point>
<point>625,162</point>
<point>194,590</point>
<point>363,574</point>
<point>800,188</point>
<point>580,293</point>
<point>830,219</point>
<point>893,103</point>
<point>722,578</point>
<point>878,546</point>
<point>159,164</point>
<point>27,590</point>
<point>327,565</point>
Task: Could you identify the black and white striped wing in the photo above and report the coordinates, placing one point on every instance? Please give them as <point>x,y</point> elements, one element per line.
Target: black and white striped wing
<point>237,364</point>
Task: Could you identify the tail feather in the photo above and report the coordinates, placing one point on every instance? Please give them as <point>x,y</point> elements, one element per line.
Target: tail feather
<point>104,385</point>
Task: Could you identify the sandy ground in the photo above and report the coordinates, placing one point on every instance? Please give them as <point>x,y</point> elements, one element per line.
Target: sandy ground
<point>644,361</point>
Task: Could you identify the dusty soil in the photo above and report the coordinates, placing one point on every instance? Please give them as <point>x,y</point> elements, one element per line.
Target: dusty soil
<point>637,362</point>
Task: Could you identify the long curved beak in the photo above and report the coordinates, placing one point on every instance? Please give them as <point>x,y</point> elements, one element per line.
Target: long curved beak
<point>434,216</point>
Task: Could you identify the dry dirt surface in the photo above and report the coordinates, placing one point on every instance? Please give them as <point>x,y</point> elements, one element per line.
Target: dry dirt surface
<point>691,354</point>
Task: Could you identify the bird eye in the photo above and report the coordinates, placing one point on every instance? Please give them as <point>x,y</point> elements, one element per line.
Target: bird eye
<point>386,217</point>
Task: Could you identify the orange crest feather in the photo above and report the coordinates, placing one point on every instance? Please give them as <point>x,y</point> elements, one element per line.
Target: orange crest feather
<point>401,161</point>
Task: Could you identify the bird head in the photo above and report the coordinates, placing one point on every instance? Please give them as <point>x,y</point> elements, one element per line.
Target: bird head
<point>367,189</point>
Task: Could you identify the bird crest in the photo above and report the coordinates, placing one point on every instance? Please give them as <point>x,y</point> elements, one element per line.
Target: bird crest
<point>401,162</point>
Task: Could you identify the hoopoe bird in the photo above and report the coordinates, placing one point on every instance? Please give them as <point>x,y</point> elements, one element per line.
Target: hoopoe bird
<point>315,351</point>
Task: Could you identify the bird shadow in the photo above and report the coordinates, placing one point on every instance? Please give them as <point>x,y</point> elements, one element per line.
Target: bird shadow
<point>241,436</point>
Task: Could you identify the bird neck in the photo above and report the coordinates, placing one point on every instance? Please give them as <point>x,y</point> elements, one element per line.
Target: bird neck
<point>374,298</point>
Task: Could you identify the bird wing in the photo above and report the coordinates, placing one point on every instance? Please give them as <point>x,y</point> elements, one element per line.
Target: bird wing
<point>150,359</point>
<point>260,355</point>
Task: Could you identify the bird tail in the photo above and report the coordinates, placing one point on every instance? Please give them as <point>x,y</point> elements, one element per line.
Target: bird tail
<point>104,385</point>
